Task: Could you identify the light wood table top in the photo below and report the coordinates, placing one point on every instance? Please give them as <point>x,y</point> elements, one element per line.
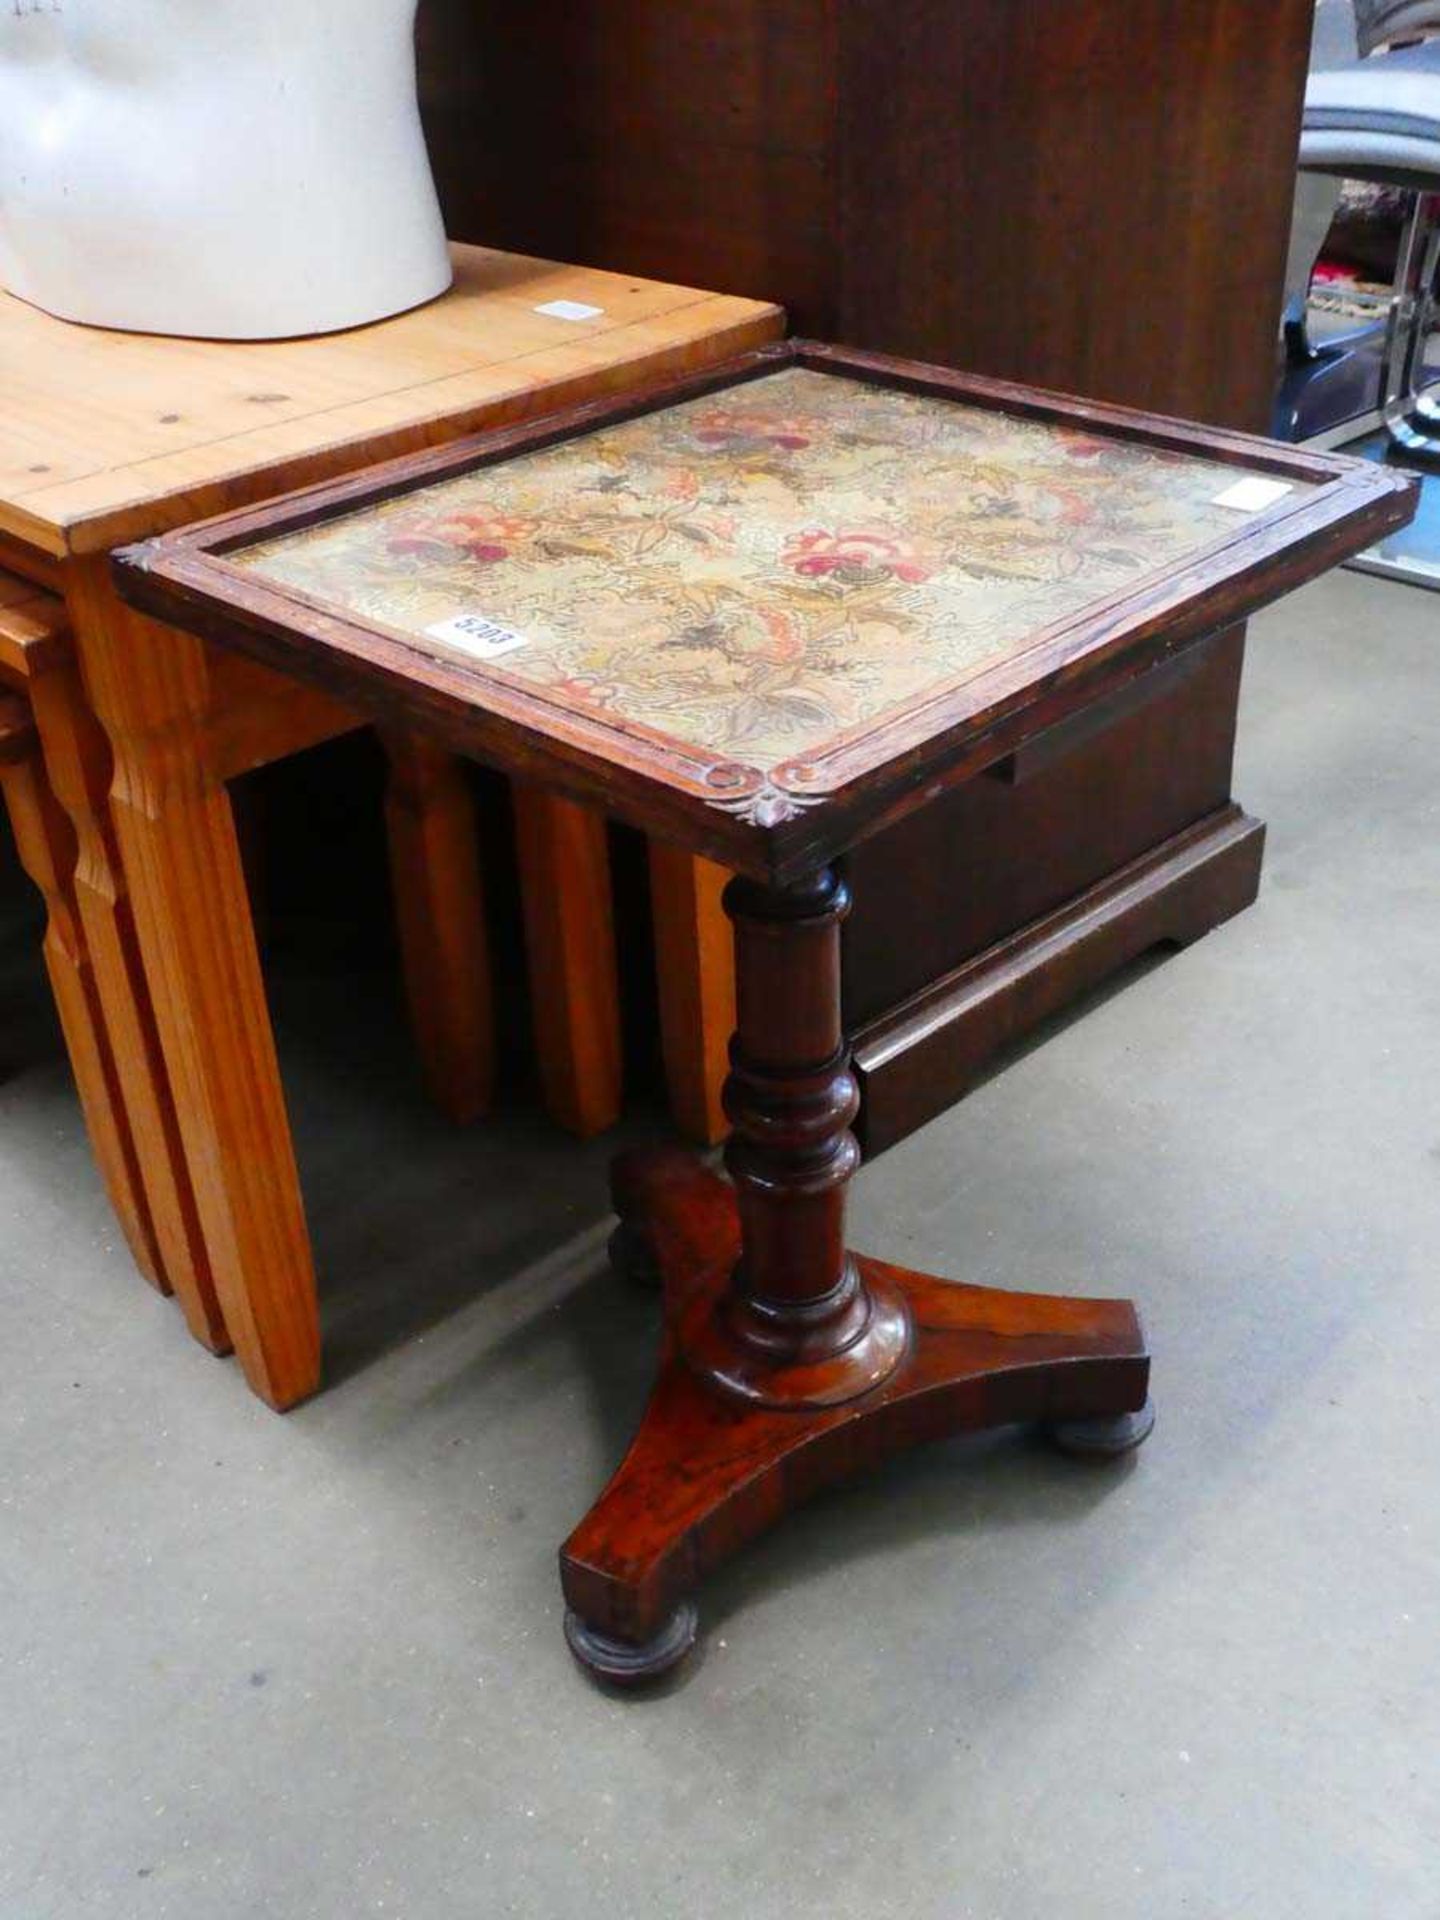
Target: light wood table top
<point>106,437</point>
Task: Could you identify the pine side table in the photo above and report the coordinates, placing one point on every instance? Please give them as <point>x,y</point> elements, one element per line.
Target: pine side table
<point>107,437</point>
<point>760,615</point>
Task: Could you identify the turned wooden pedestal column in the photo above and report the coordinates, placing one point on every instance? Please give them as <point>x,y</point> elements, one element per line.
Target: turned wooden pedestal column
<point>790,1362</point>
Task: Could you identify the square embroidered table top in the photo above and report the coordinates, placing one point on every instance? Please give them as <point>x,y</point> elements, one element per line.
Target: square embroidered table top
<point>756,571</point>
<point>809,580</point>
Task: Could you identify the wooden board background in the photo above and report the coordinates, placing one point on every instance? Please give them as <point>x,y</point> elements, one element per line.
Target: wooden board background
<point>1092,196</point>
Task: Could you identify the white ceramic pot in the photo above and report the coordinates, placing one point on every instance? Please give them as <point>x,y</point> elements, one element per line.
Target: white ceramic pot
<point>236,169</point>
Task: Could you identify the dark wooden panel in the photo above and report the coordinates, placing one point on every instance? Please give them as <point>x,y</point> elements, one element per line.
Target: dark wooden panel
<point>992,857</point>
<point>690,143</point>
<point>1094,197</point>
<point>920,1057</point>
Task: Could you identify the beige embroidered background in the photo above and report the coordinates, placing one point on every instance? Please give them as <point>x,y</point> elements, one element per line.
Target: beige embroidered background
<point>757,571</point>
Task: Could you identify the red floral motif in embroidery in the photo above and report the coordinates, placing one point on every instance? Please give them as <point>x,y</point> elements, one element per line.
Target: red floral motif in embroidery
<point>736,430</point>
<point>1087,448</point>
<point>584,692</point>
<point>856,559</point>
<point>483,536</point>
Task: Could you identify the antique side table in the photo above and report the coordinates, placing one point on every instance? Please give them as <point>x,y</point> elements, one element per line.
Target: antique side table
<point>107,437</point>
<point>761,614</point>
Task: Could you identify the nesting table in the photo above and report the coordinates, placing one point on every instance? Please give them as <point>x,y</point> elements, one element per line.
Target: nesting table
<point>107,437</point>
<point>761,614</point>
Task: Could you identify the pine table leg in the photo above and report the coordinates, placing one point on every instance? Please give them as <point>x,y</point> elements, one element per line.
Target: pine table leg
<point>45,842</point>
<point>78,764</point>
<point>440,909</point>
<point>695,974</point>
<point>149,685</point>
<point>788,1362</point>
<point>570,946</point>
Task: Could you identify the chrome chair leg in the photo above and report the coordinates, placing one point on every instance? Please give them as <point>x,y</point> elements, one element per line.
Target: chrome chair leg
<point>1412,418</point>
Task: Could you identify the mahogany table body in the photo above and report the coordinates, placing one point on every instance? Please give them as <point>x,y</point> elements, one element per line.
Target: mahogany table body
<point>109,437</point>
<point>764,614</point>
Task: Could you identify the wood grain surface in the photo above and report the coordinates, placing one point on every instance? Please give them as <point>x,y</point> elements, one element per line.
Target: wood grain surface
<point>108,436</point>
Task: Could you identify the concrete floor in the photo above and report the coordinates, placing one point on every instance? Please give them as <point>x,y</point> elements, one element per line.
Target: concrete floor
<point>312,1666</point>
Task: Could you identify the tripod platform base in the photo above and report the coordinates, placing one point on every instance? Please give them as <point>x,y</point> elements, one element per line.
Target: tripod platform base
<point>711,1467</point>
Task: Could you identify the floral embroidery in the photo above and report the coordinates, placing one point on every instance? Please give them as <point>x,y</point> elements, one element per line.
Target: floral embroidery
<point>854,559</point>
<point>751,574</point>
<point>485,537</point>
<point>578,691</point>
<point>749,430</point>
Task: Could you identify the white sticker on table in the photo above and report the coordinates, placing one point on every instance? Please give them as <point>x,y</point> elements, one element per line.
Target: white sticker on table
<point>569,310</point>
<point>1250,495</point>
<point>483,637</point>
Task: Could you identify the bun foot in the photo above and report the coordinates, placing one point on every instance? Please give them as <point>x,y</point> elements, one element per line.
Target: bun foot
<point>632,1257</point>
<point>1105,1437</point>
<point>622,1662</point>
